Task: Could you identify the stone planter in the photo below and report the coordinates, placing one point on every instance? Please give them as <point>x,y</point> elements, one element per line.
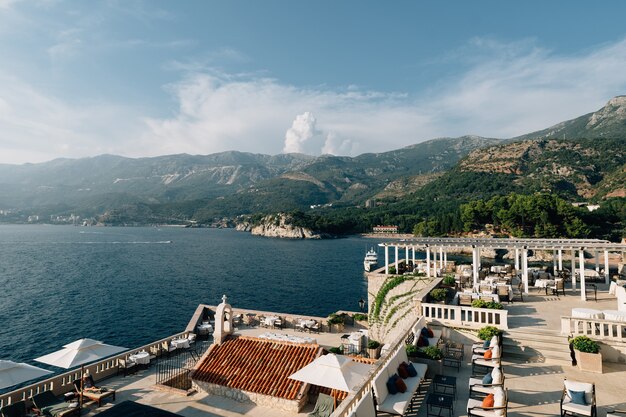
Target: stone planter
<point>336,328</point>
<point>374,353</point>
<point>434,367</point>
<point>589,362</point>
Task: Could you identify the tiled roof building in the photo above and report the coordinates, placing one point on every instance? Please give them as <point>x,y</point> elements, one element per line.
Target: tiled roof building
<point>248,368</point>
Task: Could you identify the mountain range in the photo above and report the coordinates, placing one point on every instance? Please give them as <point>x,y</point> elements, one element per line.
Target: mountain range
<point>581,158</point>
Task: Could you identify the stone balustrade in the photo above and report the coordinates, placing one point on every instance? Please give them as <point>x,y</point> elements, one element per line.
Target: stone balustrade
<point>599,329</point>
<point>64,382</point>
<point>464,317</point>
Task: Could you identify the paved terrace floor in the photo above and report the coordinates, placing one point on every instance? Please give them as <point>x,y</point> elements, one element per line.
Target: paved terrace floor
<point>545,311</point>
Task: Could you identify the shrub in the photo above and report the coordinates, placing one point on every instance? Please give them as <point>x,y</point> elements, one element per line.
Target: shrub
<point>412,350</point>
<point>392,270</point>
<point>439,294</point>
<point>584,344</point>
<point>335,319</point>
<point>449,280</point>
<point>432,352</point>
<point>336,350</point>
<point>487,304</point>
<point>487,332</point>
<point>373,344</point>
<point>360,317</point>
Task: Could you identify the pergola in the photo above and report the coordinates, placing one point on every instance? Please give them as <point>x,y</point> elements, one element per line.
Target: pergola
<point>440,246</point>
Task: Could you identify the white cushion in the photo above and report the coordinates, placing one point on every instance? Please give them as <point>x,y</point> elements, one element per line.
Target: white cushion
<point>495,351</point>
<point>580,386</point>
<point>568,405</point>
<point>485,362</point>
<point>380,386</point>
<point>478,412</point>
<point>494,341</point>
<point>476,384</point>
<point>498,400</point>
<point>365,407</point>
<point>496,374</point>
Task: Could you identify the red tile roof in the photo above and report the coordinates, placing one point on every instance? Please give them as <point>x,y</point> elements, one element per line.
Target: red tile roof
<point>256,365</point>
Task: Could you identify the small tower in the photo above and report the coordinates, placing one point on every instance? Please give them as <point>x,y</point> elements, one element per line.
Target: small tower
<point>223,321</point>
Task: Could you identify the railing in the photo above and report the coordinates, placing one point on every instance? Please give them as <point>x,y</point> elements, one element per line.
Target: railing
<point>349,405</point>
<point>466,317</point>
<point>62,383</point>
<point>595,328</point>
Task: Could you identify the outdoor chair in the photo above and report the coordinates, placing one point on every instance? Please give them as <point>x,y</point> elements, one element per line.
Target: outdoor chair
<point>592,289</point>
<point>479,348</point>
<point>314,328</point>
<point>46,404</point>
<point>278,324</point>
<point>503,293</point>
<point>126,366</point>
<point>559,285</point>
<point>299,325</point>
<point>616,413</point>
<point>479,361</point>
<point>324,406</point>
<point>500,406</point>
<point>479,389</point>
<point>485,289</point>
<point>94,395</point>
<point>486,298</point>
<point>155,352</point>
<point>465,299</point>
<point>578,398</point>
<point>17,409</point>
<point>191,337</point>
<point>520,292</point>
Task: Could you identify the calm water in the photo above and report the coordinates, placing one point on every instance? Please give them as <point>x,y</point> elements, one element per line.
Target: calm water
<point>130,286</point>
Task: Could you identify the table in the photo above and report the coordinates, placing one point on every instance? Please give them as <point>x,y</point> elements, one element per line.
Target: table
<point>614,315</point>
<point>205,328</point>
<point>441,402</point>
<point>476,296</point>
<point>180,343</point>
<point>587,313</point>
<point>442,383</point>
<point>140,358</point>
<point>287,338</point>
<point>270,320</point>
<point>452,359</point>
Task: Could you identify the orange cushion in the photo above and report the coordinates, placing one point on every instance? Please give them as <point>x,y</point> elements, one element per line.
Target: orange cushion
<point>488,401</point>
<point>487,354</point>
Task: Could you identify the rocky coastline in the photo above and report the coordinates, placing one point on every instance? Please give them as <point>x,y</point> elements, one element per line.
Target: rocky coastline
<point>278,226</point>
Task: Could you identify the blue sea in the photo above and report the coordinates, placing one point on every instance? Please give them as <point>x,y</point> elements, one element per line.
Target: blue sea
<point>131,286</point>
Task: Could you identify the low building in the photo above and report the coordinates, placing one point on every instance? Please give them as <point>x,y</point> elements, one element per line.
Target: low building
<point>385,229</point>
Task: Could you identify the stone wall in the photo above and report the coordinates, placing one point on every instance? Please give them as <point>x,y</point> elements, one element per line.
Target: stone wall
<point>290,406</point>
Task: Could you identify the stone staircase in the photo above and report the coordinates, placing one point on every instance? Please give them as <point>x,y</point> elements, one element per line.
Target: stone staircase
<point>536,345</point>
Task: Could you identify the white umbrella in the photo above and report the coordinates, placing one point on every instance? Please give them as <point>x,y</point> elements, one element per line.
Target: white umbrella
<point>332,371</point>
<point>80,352</point>
<point>13,373</point>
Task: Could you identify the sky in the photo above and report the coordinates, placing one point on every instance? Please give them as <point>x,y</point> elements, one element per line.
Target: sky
<point>147,78</point>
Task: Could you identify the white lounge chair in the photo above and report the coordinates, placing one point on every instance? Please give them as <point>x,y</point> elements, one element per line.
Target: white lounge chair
<point>500,406</point>
<point>478,389</point>
<point>569,406</point>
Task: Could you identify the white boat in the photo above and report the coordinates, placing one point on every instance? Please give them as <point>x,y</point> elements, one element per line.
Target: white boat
<point>371,260</point>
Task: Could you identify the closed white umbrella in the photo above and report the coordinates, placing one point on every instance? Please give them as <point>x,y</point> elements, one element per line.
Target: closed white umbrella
<point>80,352</point>
<point>332,371</point>
<point>13,373</point>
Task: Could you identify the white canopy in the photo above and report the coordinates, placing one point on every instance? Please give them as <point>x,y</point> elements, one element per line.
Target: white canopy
<point>80,352</point>
<point>13,373</point>
<point>332,371</point>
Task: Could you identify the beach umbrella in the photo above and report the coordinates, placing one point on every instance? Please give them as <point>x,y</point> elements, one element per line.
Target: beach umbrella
<point>79,353</point>
<point>13,373</point>
<point>332,371</point>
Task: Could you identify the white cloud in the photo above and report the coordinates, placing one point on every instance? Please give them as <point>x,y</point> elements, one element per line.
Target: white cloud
<point>511,90</point>
<point>302,130</point>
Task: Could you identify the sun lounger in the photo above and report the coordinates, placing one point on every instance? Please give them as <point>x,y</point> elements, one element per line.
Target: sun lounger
<point>95,395</point>
<point>500,407</point>
<point>324,406</point>
<point>571,405</point>
<point>46,404</point>
<point>17,409</point>
<point>479,389</point>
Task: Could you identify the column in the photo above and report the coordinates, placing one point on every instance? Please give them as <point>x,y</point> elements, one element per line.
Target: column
<point>560,259</point>
<point>386,260</point>
<point>574,269</point>
<point>414,264</point>
<point>525,269</point>
<point>583,293</point>
<point>597,259</point>
<point>428,261</point>
<point>435,274</point>
<point>516,260</point>
<point>445,258</point>
<point>406,256</point>
<point>554,262</point>
<point>396,260</point>
<point>475,264</point>
<point>441,257</point>
<point>607,278</point>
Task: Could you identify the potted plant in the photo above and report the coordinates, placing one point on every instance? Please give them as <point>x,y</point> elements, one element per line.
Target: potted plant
<point>336,350</point>
<point>335,323</point>
<point>449,281</point>
<point>412,351</point>
<point>373,348</point>
<point>439,295</point>
<point>487,332</point>
<point>588,356</point>
<point>431,356</point>
<point>360,320</point>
